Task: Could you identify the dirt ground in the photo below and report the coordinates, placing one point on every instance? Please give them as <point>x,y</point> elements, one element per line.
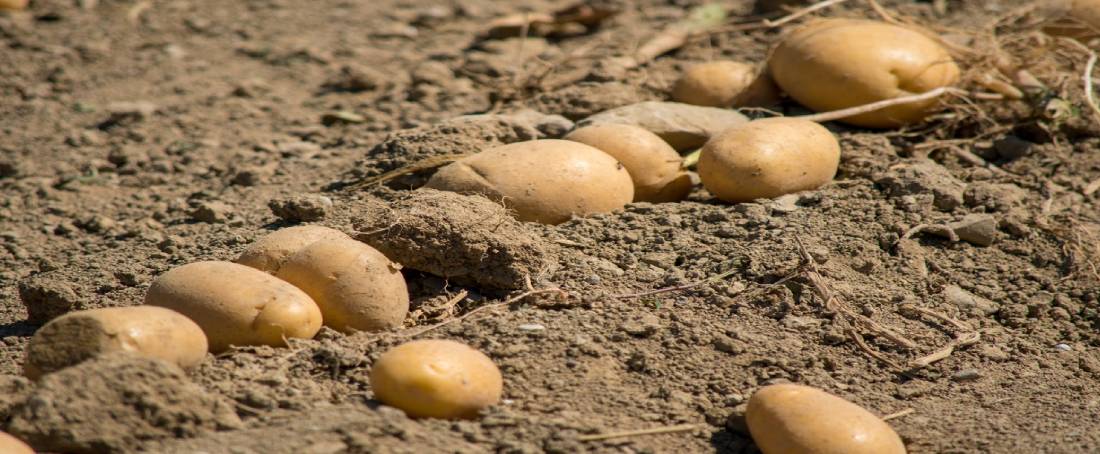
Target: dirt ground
<point>139,136</point>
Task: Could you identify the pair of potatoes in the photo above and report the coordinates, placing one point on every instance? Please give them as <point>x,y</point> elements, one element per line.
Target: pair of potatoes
<point>596,169</point>
<point>284,286</point>
<point>829,65</point>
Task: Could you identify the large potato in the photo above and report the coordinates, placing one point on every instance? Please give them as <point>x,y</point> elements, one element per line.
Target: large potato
<point>12,445</point>
<point>269,253</point>
<point>652,164</point>
<point>547,181</point>
<point>236,305</point>
<point>768,158</point>
<point>724,83</point>
<point>791,418</point>
<point>145,330</point>
<point>356,287</point>
<point>834,64</point>
<point>436,379</point>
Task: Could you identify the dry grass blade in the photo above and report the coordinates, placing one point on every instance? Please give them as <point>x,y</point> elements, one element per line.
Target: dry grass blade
<point>418,332</point>
<point>963,340</point>
<point>896,415</point>
<point>802,12</point>
<point>879,105</point>
<point>426,164</point>
<point>1090,97</point>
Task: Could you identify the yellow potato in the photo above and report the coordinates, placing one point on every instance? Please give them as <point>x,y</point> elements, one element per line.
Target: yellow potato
<point>356,287</point>
<point>833,64</point>
<point>13,5</point>
<point>547,181</point>
<point>653,164</point>
<point>725,83</point>
<point>12,445</point>
<point>236,305</point>
<point>768,158</point>
<point>436,379</point>
<point>799,419</point>
<point>269,253</point>
<point>145,330</point>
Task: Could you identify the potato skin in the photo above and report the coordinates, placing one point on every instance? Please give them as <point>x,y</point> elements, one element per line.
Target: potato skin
<point>355,286</point>
<point>653,165</point>
<point>819,66</point>
<point>13,5</point>
<point>436,379</point>
<point>268,253</point>
<point>725,83</point>
<point>11,445</point>
<point>145,330</point>
<point>768,158</point>
<point>547,181</point>
<point>236,305</point>
<point>790,418</point>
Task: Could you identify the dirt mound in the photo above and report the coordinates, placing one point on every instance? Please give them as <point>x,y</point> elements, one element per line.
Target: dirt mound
<point>469,239</point>
<point>114,404</point>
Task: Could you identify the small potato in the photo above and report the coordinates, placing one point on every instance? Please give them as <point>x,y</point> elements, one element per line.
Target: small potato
<point>547,181</point>
<point>269,253</point>
<point>791,418</point>
<point>12,445</point>
<point>767,158</point>
<point>145,330</point>
<point>356,287</point>
<point>834,64</point>
<point>725,83</point>
<point>652,163</point>
<point>236,305</point>
<point>436,379</point>
<point>13,5</point>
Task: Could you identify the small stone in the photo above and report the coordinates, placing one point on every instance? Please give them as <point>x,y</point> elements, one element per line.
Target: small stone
<point>645,326</point>
<point>978,229</point>
<point>212,212</point>
<point>137,110</point>
<point>531,327</point>
<point>47,296</point>
<point>341,117</point>
<point>683,126</point>
<point>968,302</point>
<point>784,204</point>
<point>298,148</point>
<point>1063,347</point>
<point>301,208</point>
<point>966,375</point>
<point>923,177</point>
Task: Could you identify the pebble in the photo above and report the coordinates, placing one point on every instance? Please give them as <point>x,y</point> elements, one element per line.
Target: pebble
<point>212,212</point>
<point>683,126</point>
<point>1063,347</point>
<point>978,229</point>
<point>969,302</point>
<point>966,375</point>
<point>531,327</point>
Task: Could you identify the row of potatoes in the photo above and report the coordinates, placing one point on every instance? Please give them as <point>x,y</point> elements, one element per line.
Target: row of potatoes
<point>294,280</point>
<point>826,65</point>
<point>286,285</point>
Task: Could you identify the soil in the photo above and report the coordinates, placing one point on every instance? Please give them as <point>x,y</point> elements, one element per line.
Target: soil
<point>140,136</point>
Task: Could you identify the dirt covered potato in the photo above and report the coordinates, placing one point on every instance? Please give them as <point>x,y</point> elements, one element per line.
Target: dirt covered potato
<point>653,165</point>
<point>355,286</point>
<point>269,253</point>
<point>12,445</point>
<point>791,418</point>
<point>144,330</point>
<point>236,305</point>
<point>725,83</point>
<point>547,181</point>
<point>768,158</point>
<point>436,379</point>
<point>834,64</point>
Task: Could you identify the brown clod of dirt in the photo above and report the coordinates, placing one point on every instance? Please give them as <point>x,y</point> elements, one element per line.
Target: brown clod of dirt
<point>46,297</point>
<point>114,404</point>
<point>459,237</point>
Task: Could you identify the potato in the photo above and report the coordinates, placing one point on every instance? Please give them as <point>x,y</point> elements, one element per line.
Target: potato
<point>791,418</point>
<point>236,305</point>
<point>653,164</point>
<point>13,5</point>
<point>145,330</point>
<point>768,158</point>
<point>436,379</point>
<point>725,83</point>
<point>834,64</point>
<point>269,253</point>
<point>12,445</point>
<point>1079,19</point>
<point>547,181</point>
<point>356,287</point>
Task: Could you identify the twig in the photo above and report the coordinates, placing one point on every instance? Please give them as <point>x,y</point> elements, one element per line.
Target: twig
<point>426,164</point>
<point>634,433</point>
<point>896,415</point>
<point>937,229</point>
<point>961,341</point>
<point>415,333</point>
<point>879,105</point>
<point>678,288</point>
<point>1090,98</point>
<point>885,15</point>
<point>802,12</point>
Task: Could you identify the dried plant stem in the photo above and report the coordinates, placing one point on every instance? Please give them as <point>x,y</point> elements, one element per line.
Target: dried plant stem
<point>802,12</point>
<point>678,288</point>
<point>896,415</point>
<point>418,332</point>
<point>426,164</point>
<point>879,105</point>
<point>1090,97</point>
<point>634,433</point>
